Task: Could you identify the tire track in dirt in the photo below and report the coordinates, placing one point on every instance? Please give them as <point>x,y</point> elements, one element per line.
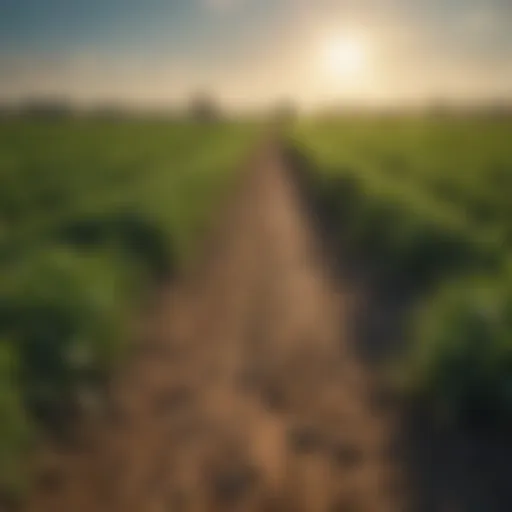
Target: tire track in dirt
<point>245,395</point>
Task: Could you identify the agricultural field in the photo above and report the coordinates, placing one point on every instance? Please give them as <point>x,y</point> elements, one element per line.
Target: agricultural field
<point>427,205</point>
<point>96,215</point>
<point>92,213</point>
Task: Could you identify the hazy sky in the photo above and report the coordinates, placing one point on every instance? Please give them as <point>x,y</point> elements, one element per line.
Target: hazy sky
<point>256,51</point>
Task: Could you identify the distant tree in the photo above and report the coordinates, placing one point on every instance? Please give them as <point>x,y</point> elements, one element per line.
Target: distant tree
<point>497,109</point>
<point>6,110</point>
<point>204,108</point>
<point>439,107</point>
<point>285,111</point>
<point>110,111</point>
<point>48,108</point>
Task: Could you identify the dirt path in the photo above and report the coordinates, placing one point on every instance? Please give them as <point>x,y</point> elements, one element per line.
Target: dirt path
<point>245,395</point>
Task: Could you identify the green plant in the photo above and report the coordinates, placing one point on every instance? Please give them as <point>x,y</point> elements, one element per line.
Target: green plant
<point>461,358</point>
<point>16,432</point>
<point>62,312</point>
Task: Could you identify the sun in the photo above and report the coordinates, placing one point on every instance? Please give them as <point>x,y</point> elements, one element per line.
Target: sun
<point>345,57</point>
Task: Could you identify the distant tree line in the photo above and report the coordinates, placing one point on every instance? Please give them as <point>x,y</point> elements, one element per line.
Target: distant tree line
<point>204,107</point>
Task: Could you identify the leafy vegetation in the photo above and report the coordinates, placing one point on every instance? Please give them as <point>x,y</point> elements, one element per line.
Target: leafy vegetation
<point>91,213</point>
<point>426,203</point>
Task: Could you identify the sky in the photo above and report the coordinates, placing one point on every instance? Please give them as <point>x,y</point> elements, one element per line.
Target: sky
<point>256,52</point>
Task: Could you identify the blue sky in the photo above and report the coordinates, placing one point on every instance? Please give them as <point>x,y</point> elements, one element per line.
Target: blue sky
<point>254,51</point>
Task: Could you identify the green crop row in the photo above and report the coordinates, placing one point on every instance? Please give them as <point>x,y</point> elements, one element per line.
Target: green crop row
<point>427,203</point>
<point>91,214</point>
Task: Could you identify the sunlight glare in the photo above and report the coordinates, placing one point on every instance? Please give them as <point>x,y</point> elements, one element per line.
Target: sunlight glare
<point>345,57</point>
